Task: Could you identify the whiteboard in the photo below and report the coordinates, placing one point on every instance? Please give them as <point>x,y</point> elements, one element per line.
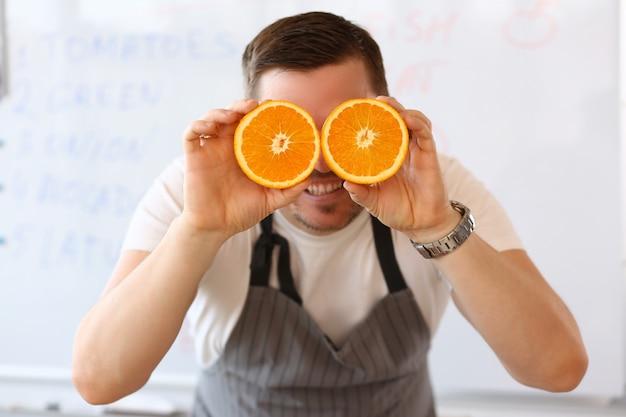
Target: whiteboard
<point>524,92</point>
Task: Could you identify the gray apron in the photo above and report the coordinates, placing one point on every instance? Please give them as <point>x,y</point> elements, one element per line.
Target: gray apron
<point>278,362</point>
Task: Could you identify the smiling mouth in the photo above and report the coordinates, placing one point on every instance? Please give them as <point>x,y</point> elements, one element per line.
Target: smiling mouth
<point>322,189</point>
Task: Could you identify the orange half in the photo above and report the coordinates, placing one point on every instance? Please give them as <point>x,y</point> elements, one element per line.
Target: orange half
<point>277,144</point>
<point>364,141</point>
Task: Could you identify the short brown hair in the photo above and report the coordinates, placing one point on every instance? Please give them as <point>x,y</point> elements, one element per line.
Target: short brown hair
<point>309,41</point>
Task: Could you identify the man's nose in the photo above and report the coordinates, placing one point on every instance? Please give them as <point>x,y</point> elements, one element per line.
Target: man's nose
<point>321,165</point>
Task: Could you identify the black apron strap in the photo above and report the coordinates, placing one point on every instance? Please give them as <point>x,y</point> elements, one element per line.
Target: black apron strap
<point>262,255</point>
<point>387,257</point>
<point>262,261</point>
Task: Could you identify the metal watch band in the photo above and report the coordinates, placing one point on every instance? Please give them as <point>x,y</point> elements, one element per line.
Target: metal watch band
<point>453,240</point>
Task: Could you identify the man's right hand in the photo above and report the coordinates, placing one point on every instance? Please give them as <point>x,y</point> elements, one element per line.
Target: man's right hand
<point>218,195</point>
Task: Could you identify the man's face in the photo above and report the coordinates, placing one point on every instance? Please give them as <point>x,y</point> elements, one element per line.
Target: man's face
<point>325,206</point>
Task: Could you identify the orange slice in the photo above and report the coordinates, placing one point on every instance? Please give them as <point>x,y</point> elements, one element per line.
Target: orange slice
<point>277,144</point>
<point>364,141</point>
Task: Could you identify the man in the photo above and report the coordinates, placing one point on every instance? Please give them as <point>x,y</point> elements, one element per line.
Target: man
<point>327,306</point>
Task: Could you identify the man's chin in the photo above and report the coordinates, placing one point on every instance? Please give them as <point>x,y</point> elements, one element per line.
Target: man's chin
<point>324,221</point>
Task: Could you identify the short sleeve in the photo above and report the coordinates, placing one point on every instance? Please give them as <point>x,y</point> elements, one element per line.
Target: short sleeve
<point>492,223</point>
<point>158,208</point>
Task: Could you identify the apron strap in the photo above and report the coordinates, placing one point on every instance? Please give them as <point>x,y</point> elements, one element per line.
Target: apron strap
<point>262,261</point>
<point>387,257</point>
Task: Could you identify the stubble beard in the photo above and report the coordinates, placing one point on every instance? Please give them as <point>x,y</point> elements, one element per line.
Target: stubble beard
<point>328,210</point>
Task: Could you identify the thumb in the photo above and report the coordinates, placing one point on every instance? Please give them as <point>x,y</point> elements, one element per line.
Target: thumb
<point>282,197</point>
<point>361,194</point>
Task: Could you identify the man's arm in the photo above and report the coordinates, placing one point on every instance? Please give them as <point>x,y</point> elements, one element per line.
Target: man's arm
<point>518,314</point>
<point>125,335</point>
<point>502,294</point>
<point>127,332</point>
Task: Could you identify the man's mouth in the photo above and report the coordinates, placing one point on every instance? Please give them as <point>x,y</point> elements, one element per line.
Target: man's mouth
<point>323,188</point>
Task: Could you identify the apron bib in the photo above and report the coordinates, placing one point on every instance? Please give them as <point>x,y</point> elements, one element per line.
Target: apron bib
<point>278,362</point>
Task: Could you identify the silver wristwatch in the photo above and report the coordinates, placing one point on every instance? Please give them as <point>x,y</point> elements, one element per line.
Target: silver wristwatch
<point>453,240</point>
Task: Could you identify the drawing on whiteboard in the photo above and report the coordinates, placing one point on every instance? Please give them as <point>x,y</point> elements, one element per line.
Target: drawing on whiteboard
<point>418,76</point>
<point>417,25</point>
<point>532,28</point>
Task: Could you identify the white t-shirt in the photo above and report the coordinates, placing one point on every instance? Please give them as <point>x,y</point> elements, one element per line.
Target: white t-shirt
<point>338,276</point>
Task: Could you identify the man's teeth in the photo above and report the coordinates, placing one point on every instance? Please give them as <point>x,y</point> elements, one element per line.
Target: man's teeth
<point>319,189</point>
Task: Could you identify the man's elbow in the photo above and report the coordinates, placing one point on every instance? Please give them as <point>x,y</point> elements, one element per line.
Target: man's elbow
<point>570,372</point>
<point>98,388</point>
<point>89,388</point>
<point>561,372</point>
